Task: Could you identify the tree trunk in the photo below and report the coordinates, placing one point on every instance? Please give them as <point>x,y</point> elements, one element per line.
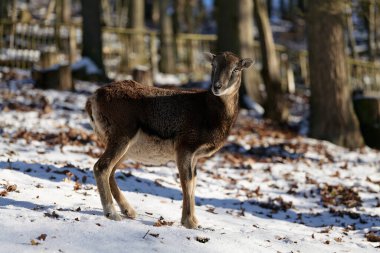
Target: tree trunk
<point>92,34</point>
<point>332,114</point>
<point>122,7</point>
<point>283,9</point>
<point>179,16</point>
<point>4,9</point>
<point>156,13</point>
<point>106,10</point>
<point>138,24</point>
<point>235,34</point>
<point>167,61</point>
<point>368,15</point>
<point>371,30</point>
<point>377,30</point>
<point>275,105</point>
<point>350,30</point>
<point>270,6</point>
<point>143,76</point>
<point>301,5</point>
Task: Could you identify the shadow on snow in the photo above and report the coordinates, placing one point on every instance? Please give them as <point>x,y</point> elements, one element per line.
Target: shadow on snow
<point>131,183</point>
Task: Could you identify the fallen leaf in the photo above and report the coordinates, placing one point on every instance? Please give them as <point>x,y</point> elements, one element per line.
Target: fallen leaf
<point>11,188</point>
<point>372,237</point>
<point>202,239</point>
<point>162,222</point>
<point>34,243</point>
<point>42,237</point>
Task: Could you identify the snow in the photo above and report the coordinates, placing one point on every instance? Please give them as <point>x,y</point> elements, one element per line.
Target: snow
<point>88,65</point>
<point>260,169</point>
<point>166,79</point>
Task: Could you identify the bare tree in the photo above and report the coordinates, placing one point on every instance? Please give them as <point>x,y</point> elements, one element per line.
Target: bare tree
<point>369,18</point>
<point>350,30</point>
<point>167,61</point>
<point>137,23</point>
<point>332,114</point>
<point>235,34</point>
<point>92,33</point>
<point>4,8</point>
<point>275,104</point>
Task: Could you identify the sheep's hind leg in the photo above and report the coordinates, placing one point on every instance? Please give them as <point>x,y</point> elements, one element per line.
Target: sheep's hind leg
<point>124,205</point>
<point>103,170</point>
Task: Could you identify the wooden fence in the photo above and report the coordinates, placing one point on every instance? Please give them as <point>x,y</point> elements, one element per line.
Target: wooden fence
<point>22,44</point>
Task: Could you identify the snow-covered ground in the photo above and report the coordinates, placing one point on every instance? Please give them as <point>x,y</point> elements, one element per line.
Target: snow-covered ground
<point>267,190</point>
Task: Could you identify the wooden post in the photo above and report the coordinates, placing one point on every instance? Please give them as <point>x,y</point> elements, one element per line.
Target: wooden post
<point>142,75</point>
<point>190,56</point>
<point>57,23</point>
<point>303,66</point>
<point>72,44</point>
<point>13,31</point>
<point>49,11</point>
<point>106,13</point>
<point>65,79</point>
<point>153,54</point>
<point>48,58</point>
<point>137,23</point>
<point>56,77</point>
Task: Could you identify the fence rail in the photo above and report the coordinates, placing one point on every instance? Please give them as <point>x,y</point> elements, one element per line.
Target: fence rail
<point>21,45</point>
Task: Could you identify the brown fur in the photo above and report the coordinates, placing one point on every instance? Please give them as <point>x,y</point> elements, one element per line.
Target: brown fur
<point>155,125</point>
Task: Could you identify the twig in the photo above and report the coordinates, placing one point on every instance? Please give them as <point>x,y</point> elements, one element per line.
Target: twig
<point>146,234</point>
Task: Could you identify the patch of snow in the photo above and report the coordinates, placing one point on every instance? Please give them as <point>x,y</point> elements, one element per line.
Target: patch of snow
<point>87,64</point>
<point>56,191</point>
<point>166,79</point>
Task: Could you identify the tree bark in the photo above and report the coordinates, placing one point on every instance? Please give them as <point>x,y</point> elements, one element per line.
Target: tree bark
<point>350,30</point>
<point>371,30</point>
<point>106,10</point>
<point>156,13</point>
<point>235,34</point>
<point>122,7</point>
<point>167,61</point>
<point>137,22</point>
<point>269,8</point>
<point>179,16</point>
<point>92,34</point>
<point>332,114</point>
<point>368,15</point>
<point>4,9</point>
<point>275,105</point>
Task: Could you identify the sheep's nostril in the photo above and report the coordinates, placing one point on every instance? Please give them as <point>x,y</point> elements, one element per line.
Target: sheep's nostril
<point>217,86</point>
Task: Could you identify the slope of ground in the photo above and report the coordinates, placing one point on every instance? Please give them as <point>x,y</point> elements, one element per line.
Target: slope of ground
<point>267,190</point>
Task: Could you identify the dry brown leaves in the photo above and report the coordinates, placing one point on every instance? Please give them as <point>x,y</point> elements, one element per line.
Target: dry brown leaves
<point>42,237</point>
<point>73,136</point>
<point>277,204</point>
<point>34,242</point>
<point>52,215</point>
<point>202,239</point>
<point>162,222</point>
<point>35,102</point>
<point>8,188</point>
<point>339,195</point>
<point>372,237</point>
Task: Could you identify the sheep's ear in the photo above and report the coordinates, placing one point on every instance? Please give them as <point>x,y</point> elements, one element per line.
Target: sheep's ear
<point>209,56</point>
<point>246,63</point>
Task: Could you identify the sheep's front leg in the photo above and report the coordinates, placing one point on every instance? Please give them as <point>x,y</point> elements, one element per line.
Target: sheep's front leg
<point>186,167</point>
<point>102,171</point>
